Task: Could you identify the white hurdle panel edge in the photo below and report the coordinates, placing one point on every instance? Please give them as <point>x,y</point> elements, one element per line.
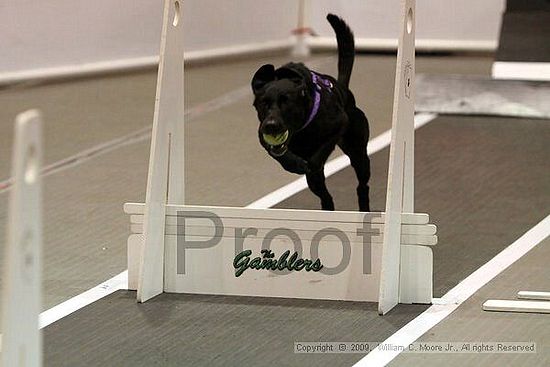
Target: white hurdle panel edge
<point>401,266</point>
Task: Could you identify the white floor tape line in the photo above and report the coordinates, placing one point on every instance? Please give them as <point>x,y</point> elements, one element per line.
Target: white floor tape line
<point>55,313</point>
<point>456,296</point>
<point>120,281</point>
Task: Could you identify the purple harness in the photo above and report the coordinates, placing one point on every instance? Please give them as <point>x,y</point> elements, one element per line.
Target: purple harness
<point>319,83</point>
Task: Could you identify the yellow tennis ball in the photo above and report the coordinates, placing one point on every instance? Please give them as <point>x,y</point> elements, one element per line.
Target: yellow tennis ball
<point>275,140</point>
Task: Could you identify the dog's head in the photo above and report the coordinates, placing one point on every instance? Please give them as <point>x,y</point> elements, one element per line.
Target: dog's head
<point>282,102</point>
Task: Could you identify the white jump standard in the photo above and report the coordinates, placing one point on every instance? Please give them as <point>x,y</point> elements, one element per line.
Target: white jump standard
<point>21,298</point>
<point>376,257</point>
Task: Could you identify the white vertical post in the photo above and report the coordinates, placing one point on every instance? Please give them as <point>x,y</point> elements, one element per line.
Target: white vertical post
<point>21,337</point>
<point>400,191</point>
<point>416,266</point>
<point>165,181</point>
<point>301,46</point>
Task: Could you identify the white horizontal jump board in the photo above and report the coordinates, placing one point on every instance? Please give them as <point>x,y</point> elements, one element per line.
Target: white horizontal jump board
<point>205,233</point>
<point>517,306</point>
<point>284,214</point>
<point>305,225</point>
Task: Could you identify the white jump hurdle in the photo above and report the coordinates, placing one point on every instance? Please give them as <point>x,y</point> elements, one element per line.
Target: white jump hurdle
<point>378,257</point>
<point>21,338</point>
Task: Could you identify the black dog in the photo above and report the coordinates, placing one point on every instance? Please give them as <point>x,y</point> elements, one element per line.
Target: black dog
<point>304,115</point>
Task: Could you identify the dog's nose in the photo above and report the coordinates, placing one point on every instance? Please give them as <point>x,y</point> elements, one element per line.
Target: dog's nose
<point>271,127</point>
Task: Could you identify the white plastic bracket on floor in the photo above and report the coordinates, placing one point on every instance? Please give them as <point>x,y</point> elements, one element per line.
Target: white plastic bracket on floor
<point>537,302</point>
<point>376,257</point>
<point>543,296</point>
<point>21,298</point>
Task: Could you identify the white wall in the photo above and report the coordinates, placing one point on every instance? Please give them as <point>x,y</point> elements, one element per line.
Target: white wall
<point>53,33</point>
<point>469,24</point>
<point>37,35</point>
<point>51,37</point>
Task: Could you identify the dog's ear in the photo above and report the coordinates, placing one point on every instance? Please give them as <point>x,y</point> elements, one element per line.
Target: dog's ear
<point>264,75</point>
<point>289,73</point>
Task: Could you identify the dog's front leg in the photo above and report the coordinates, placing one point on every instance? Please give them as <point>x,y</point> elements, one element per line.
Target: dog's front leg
<point>316,178</point>
<point>292,163</point>
<point>318,159</point>
<point>316,183</point>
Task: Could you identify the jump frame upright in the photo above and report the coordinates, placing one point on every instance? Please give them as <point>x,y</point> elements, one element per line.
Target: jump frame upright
<point>376,257</point>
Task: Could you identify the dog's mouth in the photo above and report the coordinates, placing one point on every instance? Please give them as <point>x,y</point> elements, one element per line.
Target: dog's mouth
<point>278,150</point>
<point>277,143</point>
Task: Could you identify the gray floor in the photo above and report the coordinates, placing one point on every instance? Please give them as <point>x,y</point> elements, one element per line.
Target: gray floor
<point>193,330</point>
<point>469,323</point>
<point>461,192</point>
<point>86,230</point>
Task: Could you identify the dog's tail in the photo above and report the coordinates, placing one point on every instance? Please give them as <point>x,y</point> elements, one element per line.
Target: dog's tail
<point>346,48</point>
